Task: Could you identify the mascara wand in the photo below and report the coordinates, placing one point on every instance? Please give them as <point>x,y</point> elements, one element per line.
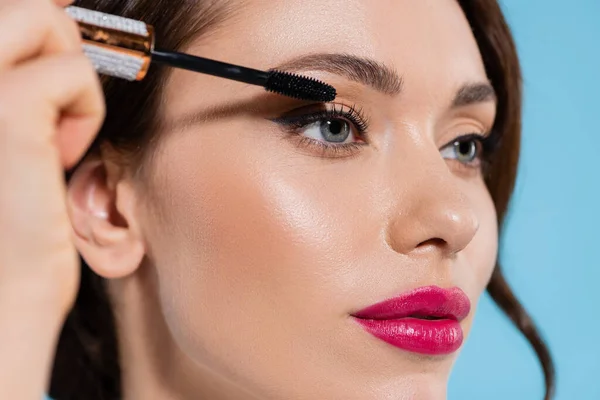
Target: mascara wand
<point>124,48</point>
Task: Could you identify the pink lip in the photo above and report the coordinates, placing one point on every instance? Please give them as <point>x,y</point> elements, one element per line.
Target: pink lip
<point>425,320</point>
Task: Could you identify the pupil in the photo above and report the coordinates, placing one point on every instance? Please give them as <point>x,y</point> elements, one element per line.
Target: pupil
<point>465,148</point>
<point>335,127</point>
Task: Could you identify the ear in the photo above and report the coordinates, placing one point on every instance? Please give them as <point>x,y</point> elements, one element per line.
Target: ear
<point>102,208</point>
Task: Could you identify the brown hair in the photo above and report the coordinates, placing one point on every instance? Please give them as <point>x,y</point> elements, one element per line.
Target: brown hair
<point>87,359</point>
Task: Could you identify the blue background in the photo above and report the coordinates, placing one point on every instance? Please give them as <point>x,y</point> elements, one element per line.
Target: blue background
<point>550,248</point>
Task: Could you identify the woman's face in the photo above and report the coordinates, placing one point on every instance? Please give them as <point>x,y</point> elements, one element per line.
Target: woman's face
<point>271,222</point>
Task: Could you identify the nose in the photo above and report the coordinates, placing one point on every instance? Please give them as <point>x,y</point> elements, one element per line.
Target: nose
<point>432,213</point>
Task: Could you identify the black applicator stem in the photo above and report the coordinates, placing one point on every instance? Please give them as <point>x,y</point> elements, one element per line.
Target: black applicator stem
<point>211,67</point>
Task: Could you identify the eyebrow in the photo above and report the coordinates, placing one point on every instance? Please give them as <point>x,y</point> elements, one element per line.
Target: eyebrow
<point>358,69</point>
<point>379,76</point>
<point>474,93</point>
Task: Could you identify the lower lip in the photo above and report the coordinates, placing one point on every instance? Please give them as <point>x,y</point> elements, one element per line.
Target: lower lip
<point>431,337</point>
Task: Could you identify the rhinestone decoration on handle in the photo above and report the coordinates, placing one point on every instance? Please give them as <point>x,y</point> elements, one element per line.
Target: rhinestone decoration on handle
<point>117,46</point>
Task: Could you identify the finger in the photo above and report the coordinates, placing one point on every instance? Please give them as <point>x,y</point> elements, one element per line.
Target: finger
<point>66,89</point>
<point>31,28</point>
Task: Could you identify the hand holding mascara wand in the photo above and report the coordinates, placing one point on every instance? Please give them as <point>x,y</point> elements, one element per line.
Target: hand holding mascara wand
<point>124,48</point>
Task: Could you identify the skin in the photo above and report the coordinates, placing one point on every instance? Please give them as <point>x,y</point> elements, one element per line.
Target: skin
<point>235,264</point>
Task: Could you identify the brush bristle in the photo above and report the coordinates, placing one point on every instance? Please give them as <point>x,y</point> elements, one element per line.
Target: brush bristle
<point>299,87</point>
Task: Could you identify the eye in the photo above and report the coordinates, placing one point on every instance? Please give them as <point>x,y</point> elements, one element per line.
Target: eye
<point>466,150</point>
<point>330,130</point>
<point>336,128</point>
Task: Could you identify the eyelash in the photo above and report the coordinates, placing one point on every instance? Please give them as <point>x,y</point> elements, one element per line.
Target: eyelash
<point>294,124</point>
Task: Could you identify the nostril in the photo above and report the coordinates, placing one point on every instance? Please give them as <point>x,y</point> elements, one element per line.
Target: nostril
<point>431,244</point>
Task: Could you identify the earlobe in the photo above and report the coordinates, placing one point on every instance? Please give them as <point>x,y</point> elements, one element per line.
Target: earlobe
<point>103,217</point>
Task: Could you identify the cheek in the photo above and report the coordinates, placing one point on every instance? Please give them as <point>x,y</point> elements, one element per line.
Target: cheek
<point>256,235</point>
<point>481,253</point>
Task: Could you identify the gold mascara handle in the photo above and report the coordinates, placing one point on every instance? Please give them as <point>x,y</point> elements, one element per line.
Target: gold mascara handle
<point>117,46</point>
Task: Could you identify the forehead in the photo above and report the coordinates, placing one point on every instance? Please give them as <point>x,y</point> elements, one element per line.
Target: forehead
<point>429,42</point>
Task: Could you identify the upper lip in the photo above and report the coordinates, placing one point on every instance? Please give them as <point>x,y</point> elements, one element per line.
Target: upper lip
<point>428,302</point>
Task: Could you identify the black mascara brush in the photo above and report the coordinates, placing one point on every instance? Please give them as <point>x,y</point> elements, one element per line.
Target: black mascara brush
<point>124,48</point>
